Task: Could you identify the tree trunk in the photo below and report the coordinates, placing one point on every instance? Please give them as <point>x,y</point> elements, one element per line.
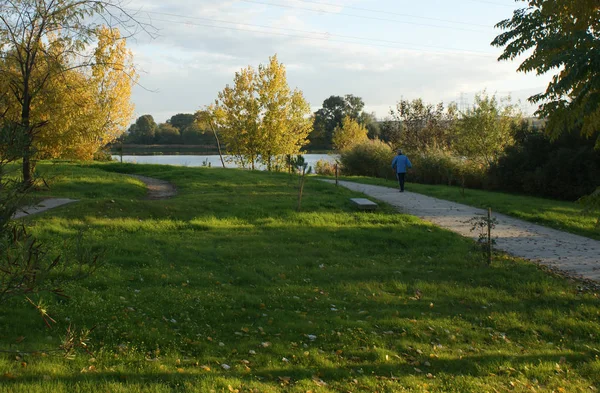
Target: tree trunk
<point>26,124</point>
<point>218,143</point>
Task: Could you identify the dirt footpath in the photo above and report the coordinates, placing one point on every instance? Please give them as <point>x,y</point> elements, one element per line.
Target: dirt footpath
<point>579,256</point>
<point>157,189</point>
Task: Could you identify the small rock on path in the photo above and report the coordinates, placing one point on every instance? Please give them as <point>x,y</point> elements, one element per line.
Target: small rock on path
<point>576,255</point>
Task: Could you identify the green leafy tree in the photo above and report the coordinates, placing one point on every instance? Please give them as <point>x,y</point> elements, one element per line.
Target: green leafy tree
<point>484,131</point>
<point>332,114</point>
<point>144,130</point>
<point>418,127</point>
<point>348,134</point>
<point>167,134</point>
<point>182,120</point>
<point>369,120</point>
<point>195,135</point>
<point>560,36</point>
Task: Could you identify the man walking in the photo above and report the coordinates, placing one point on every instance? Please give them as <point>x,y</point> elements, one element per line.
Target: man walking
<point>400,164</point>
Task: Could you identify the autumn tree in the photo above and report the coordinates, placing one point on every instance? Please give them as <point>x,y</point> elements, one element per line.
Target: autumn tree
<point>40,41</point>
<point>284,115</point>
<point>484,131</point>
<point>260,119</point>
<point>348,134</point>
<point>86,108</point>
<point>237,113</point>
<point>560,37</point>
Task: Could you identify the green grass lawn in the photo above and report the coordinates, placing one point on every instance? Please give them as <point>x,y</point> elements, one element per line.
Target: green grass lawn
<point>562,215</point>
<point>227,288</point>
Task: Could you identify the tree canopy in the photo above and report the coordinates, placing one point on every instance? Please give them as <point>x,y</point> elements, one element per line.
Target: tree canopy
<point>563,37</point>
<point>143,130</point>
<point>182,120</point>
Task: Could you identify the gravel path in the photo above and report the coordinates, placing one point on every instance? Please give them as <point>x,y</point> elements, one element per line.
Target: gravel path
<point>576,255</point>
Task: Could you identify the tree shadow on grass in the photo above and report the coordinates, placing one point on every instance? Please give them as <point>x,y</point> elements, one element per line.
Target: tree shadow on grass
<point>494,368</point>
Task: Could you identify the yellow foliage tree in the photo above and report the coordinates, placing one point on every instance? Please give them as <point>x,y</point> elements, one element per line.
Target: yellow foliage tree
<point>348,134</point>
<point>285,121</point>
<point>79,110</point>
<point>42,42</point>
<point>260,119</point>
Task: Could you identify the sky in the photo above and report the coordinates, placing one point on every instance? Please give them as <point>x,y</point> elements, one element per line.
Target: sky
<point>380,50</point>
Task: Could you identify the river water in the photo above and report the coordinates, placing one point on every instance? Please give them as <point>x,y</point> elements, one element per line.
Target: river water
<point>213,160</point>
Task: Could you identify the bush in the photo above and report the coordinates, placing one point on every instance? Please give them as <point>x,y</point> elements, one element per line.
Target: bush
<point>370,158</point>
<point>103,155</point>
<point>567,168</point>
<point>325,168</point>
<point>440,167</point>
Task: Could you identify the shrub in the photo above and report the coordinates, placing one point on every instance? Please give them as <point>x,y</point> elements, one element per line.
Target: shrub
<point>567,168</point>
<point>441,167</point>
<point>103,155</point>
<point>370,158</point>
<point>325,168</point>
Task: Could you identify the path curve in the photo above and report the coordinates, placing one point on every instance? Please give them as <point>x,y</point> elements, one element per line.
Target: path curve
<point>576,255</point>
<point>157,189</point>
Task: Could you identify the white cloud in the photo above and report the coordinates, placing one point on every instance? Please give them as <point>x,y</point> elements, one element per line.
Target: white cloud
<point>190,62</point>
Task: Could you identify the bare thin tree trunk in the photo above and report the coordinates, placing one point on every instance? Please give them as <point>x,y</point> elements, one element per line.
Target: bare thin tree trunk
<point>218,143</point>
<point>301,190</point>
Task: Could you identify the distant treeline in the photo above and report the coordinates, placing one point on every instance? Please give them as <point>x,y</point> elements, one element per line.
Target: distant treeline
<point>180,130</point>
<point>136,149</point>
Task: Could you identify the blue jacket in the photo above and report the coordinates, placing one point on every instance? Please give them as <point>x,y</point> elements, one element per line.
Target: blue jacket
<point>401,163</point>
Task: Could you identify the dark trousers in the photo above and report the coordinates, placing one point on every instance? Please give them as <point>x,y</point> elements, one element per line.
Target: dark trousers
<point>401,177</point>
